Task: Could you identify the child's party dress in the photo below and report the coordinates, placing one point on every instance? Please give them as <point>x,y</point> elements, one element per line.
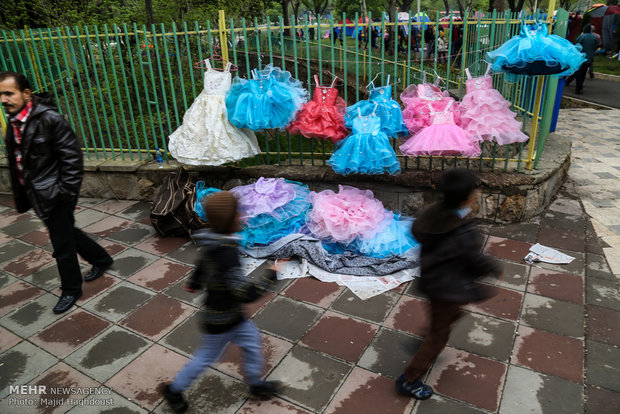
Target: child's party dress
<point>271,99</point>
<point>486,114</point>
<point>206,136</point>
<point>416,99</point>
<point>323,116</point>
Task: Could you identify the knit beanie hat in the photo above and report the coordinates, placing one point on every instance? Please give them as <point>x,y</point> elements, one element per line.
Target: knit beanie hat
<point>221,208</point>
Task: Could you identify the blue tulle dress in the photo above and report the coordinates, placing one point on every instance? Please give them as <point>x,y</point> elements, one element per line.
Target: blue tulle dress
<point>535,52</point>
<point>366,151</point>
<point>202,193</point>
<point>270,100</point>
<point>380,103</point>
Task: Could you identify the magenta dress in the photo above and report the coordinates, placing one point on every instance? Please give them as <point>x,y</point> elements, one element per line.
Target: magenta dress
<point>417,98</point>
<point>442,137</point>
<point>486,114</point>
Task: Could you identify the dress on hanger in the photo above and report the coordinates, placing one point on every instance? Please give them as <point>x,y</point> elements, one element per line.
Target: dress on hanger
<point>485,113</point>
<point>206,136</point>
<point>323,116</point>
<point>381,104</point>
<point>442,137</point>
<point>535,52</point>
<point>366,151</point>
<point>416,99</point>
<point>271,99</point>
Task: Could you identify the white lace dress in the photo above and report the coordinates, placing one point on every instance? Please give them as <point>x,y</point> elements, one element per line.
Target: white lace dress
<point>206,137</point>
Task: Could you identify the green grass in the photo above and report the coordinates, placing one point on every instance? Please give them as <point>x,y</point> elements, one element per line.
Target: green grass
<point>604,64</point>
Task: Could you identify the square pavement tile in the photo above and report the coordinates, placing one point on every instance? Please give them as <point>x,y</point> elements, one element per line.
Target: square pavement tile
<point>603,365</point>
<point>602,293</point>
<point>16,294</point>
<point>601,401</point>
<point>212,392</point>
<point>562,239</point>
<point>13,249</point>
<point>136,212</point>
<point>558,220</point>
<point>160,274</point>
<point>549,353</point>
<point>8,339</point>
<point>188,254</point>
<point>96,287</point>
<point>108,225</point>
<point>440,405</point>
<point>119,301</point>
<point>562,286</point>
<point>340,336</point>
<point>113,206</point>
<point>576,267</point>
<point>21,364</point>
<point>603,325</point>
<point>507,249</point>
<point>157,317</point>
<point>467,377</point>
<point>413,289</point>
<point>252,308</point>
<point>563,318</point>
<point>138,381</point>
<point>161,246</point>
<point>272,406</point>
<point>111,247</point>
<point>70,333</point>
<point>309,289</point>
<point>515,276</point>
<point>566,205</point>
<point>32,317</point>
<point>532,392</point>
<point>28,263</point>
<point>185,337</point>
<point>287,318</point>
<point>596,266</point>
<point>353,396</point>
<point>37,237</point>
<point>389,353</point>
<point>410,315</point>
<point>593,244</point>
<point>46,278</point>
<point>525,232</point>
<point>374,309</point>
<point>132,234</point>
<point>107,353</point>
<point>130,261</point>
<point>11,217</point>
<point>89,201</point>
<point>505,304</point>
<point>4,238</point>
<point>87,217</point>
<point>23,227</point>
<point>6,279</point>
<point>274,349</point>
<point>483,335</point>
<point>311,378</point>
<point>178,292</point>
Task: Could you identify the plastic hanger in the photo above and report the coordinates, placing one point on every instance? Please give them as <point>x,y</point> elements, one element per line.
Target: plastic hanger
<point>215,58</point>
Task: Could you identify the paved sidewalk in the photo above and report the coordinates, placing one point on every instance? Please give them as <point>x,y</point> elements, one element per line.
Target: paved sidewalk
<point>547,343</point>
<point>599,91</point>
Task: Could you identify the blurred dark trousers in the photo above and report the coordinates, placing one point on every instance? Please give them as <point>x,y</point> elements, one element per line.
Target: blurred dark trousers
<point>443,315</point>
<point>580,75</point>
<point>67,240</point>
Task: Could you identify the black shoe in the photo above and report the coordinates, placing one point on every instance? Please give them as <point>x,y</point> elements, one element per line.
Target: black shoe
<point>65,302</point>
<point>579,91</point>
<point>416,389</point>
<point>591,75</point>
<point>175,400</point>
<point>266,390</point>
<point>96,272</point>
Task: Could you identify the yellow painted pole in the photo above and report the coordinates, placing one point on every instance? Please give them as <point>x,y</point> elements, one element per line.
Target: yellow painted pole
<point>223,36</point>
<point>535,118</point>
<point>2,124</point>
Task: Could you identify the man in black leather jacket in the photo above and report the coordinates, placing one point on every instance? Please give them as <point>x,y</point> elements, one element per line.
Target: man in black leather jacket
<point>45,161</point>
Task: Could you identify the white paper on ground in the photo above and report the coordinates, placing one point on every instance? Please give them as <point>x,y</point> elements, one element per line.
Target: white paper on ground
<point>249,264</point>
<point>292,269</point>
<point>540,253</point>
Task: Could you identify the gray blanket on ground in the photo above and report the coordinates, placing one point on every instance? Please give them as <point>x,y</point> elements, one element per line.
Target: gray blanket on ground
<point>311,249</point>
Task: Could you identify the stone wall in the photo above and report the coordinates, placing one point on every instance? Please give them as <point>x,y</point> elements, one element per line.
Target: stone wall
<point>504,197</point>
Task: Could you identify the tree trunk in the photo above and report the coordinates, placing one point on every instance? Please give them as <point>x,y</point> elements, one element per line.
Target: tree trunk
<point>148,6</point>
<point>285,16</point>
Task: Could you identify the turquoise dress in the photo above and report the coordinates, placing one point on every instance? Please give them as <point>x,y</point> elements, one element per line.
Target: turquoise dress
<point>366,151</point>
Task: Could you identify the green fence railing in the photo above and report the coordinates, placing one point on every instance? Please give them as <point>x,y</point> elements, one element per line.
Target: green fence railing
<point>125,88</point>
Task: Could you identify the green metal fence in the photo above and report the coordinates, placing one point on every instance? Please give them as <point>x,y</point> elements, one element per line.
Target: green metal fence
<point>125,88</point>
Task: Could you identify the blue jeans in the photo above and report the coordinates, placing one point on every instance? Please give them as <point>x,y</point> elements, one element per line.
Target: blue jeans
<point>245,335</point>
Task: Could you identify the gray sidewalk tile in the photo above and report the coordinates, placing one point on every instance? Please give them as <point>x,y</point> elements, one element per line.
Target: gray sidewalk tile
<point>130,261</point>
<point>137,212</point>
<point>442,405</point>
<point>119,301</point>
<point>32,317</point>
<point>13,249</point>
<point>87,217</point>
<point>133,234</point>
<point>596,266</point>
<point>287,318</point>
<point>6,279</point>
<point>563,318</point>
<point>8,339</point>
<point>483,335</point>
<point>602,401</point>
<point>389,353</point>
<point>22,363</point>
<point>188,254</point>
<point>602,293</point>
<point>603,365</point>
<point>186,336</point>
<point>374,309</point>
<point>532,392</point>
<point>515,275</point>
<point>23,227</point>
<point>576,267</point>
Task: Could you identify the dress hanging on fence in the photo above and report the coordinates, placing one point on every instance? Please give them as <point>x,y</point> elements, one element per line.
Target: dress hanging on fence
<point>323,116</point>
<point>535,52</point>
<point>416,99</point>
<point>485,113</point>
<point>271,99</point>
<point>443,137</point>
<point>381,104</point>
<point>366,151</point>
<point>206,136</point>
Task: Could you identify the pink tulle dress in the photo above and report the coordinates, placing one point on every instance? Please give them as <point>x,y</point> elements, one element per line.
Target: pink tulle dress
<point>344,216</point>
<point>323,116</point>
<point>416,99</point>
<point>486,114</point>
<point>442,137</point>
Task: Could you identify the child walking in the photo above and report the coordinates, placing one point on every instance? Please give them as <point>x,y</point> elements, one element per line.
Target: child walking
<point>451,264</point>
<point>219,273</point>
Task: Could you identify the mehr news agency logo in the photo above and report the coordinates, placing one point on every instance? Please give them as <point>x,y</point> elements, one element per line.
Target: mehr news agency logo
<point>44,396</point>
